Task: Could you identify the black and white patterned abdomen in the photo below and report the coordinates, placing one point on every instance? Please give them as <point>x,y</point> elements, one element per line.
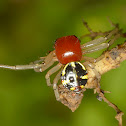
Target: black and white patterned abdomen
<point>74,76</point>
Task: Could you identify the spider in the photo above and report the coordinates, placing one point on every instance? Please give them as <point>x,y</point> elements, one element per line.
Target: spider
<point>69,54</point>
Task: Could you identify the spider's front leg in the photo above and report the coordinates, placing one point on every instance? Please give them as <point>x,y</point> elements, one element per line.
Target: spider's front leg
<point>21,67</point>
<point>38,65</point>
<point>47,62</point>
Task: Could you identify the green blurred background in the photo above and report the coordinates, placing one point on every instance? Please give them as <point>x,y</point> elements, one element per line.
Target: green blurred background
<point>28,29</point>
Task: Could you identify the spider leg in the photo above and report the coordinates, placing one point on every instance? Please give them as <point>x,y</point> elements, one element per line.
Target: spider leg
<point>94,42</point>
<point>49,57</point>
<point>97,74</point>
<point>38,61</point>
<point>22,67</point>
<point>55,87</point>
<point>46,65</point>
<point>48,61</point>
<point>51,71</point>
<point>99,43</point>
<point>95,48</point>
<point>38,65</point>
<point>99,40</point>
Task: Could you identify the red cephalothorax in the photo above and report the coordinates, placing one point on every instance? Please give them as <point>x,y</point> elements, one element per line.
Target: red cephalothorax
<point>68,49</point>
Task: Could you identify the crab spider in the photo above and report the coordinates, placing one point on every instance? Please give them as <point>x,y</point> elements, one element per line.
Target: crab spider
<point>68,53</point>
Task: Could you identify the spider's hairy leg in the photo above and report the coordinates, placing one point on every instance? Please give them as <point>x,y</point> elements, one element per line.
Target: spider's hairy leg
<point>51,71</point>
<point>55,87</point>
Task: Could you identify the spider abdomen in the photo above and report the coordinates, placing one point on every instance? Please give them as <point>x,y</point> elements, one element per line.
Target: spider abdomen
<point>74,76</point>
<point>68,49</point>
